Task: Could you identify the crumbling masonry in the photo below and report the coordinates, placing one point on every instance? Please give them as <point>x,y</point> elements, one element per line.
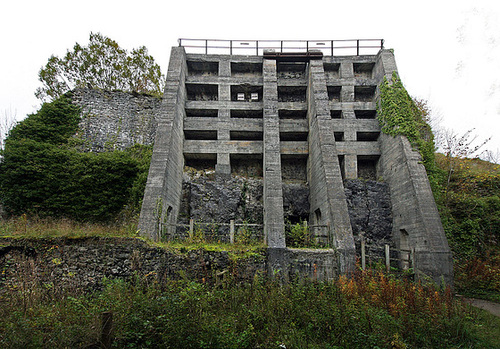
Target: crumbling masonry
<point>302,120</point>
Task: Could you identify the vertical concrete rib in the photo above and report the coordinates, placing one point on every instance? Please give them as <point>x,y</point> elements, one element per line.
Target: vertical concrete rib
<point>274,227</point>
<point>164,186</point>
<point>328,204</point>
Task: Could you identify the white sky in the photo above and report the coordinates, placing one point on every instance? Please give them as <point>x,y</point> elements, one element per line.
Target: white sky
<point>447,52</point>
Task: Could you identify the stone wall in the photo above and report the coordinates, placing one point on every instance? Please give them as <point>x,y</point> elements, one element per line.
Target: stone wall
<point>116,120</point>
<point>82,264</point>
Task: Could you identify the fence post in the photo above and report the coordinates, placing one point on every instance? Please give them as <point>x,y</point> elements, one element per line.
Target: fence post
<point>106,330</point>
<point>363,253</point>
<point>191,228</point>
<point>412,258</point>
<point>387,258</point>
<point>307,235</point>
<point>231,231</point>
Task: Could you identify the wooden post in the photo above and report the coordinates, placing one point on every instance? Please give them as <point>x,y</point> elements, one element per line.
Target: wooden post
<point>191,228</point>
<point>106,330</point>
<point>231,231</point>
<point>412,259</point>
<point>387,258</point>
<point>363,253</point>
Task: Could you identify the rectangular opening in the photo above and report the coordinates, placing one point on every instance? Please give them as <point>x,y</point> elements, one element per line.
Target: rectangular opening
<point>202,92</point>
<point>203,68</point>
<point>292,114</point>
<point>246,93</point>
<point>293,136</point>
<point>364,93</point>
<point>332,70</point>
<point>367,136</point>
<point>248,165</point>
<point>365,114</point>
<point>342,166</point>
<point>334,93</point>
<point>292,93</point>
<point>294,168</point>
<point>363,70</point>
<point>242,113</point>
<point>291,70</point>
<point>246,136</point>
<point>246,69</point>
<point>339,136</point>
<point>367,167</point>
<point>200,162</point>
<point>200,135</point>
<point>336,114</point>
<point>202,113</point>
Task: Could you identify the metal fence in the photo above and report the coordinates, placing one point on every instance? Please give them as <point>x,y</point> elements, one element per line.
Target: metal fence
<point>257,47</point>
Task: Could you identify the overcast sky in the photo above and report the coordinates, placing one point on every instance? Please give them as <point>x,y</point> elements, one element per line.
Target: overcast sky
<point>447,52</point>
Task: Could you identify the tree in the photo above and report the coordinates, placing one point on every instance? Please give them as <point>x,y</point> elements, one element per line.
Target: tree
<point>7,121</point>
<point>41,173</point>
<point>103,64</point>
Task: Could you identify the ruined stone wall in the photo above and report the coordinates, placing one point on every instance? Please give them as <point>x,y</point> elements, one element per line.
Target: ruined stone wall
<point>115,120</point>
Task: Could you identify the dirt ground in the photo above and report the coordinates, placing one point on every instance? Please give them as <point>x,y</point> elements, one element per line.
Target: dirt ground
<point>492,307</point>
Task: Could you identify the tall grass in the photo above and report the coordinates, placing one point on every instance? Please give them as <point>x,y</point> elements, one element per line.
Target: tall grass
<point>369,310</point>
<point>32,226</point>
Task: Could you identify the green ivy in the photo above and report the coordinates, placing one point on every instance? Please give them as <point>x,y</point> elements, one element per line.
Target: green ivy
<point>398,114</point>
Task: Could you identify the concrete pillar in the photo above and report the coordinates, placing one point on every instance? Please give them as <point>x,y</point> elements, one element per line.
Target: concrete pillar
<point>164,185</point>
<point>223,166</point>
<point>274,227</point>
<point>327,197</point>
<point>351,166</point>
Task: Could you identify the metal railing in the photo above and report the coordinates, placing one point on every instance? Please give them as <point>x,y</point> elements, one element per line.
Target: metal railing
<point>257,47</point>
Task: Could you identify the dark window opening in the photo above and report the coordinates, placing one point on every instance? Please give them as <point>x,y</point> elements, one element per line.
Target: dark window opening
<point>201,162</point>
<point>246,136</point>
<point>293,136</point>
<point>334,93</point>
<point>202,92</point>
<point>367,167</point>
<point>367,136</point>
<point>364,93</point>
<point>292,93</point>
<point>292,114</point>
<point>365,114</point>
<point>336,114</point>
<point>246,93</point>
<point>200,135</point>
<point>243,113</point>
<point>203,68</point>
<point>339,136</point>
<point>249,165</point>
<point>363,70</point>
<point>202,113</point>
<point>246,68</point>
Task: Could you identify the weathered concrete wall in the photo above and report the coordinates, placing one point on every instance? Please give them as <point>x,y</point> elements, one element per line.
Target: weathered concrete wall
<point>116,120</point>
<point>327,197</point>
<point>164,186</point>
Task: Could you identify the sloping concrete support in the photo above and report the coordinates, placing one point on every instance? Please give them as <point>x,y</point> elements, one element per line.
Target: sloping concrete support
<point>164,186</point>
<point>327,196</point>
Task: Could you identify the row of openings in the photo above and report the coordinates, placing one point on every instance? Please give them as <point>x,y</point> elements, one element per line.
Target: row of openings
<point>284,69</point>
<point>360,70</point>
<point>361,93</point>
<point>293,167</point>
<point>249,93</point>
<point>282,113</point>
<point>202,135</point>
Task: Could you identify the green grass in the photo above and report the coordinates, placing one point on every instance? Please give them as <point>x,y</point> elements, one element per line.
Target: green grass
<point>370,310</point>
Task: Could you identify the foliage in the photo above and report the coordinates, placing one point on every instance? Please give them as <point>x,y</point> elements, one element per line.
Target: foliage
<point>298,235</point>
<point>399,114</point>
<point>103,64</point>
<point>368,310</point>
<point>41,174</point>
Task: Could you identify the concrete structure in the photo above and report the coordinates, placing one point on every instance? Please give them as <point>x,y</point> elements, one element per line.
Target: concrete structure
<point>308,111</point>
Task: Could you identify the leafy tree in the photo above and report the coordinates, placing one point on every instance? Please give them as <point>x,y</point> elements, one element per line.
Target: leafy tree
<point>103,64</point>
<point>41,173</point>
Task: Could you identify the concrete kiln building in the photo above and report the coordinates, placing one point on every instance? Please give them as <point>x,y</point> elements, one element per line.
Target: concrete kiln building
<point>294,112</point>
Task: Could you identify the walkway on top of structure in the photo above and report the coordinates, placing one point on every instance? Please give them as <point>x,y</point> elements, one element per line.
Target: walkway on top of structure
<point>352,47</point>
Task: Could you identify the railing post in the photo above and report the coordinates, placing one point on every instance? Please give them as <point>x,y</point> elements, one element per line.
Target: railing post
<point>331,46</point>
<point>363,253</point>
<point>387,258</point>
<point>357,47</point>
<point>206,47</point>
<point>381,44</point>
<point>257,47</point>
<point>281,43</point>
<point>231,231</point>
<point>191,228</point>
<point>230,47</point>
